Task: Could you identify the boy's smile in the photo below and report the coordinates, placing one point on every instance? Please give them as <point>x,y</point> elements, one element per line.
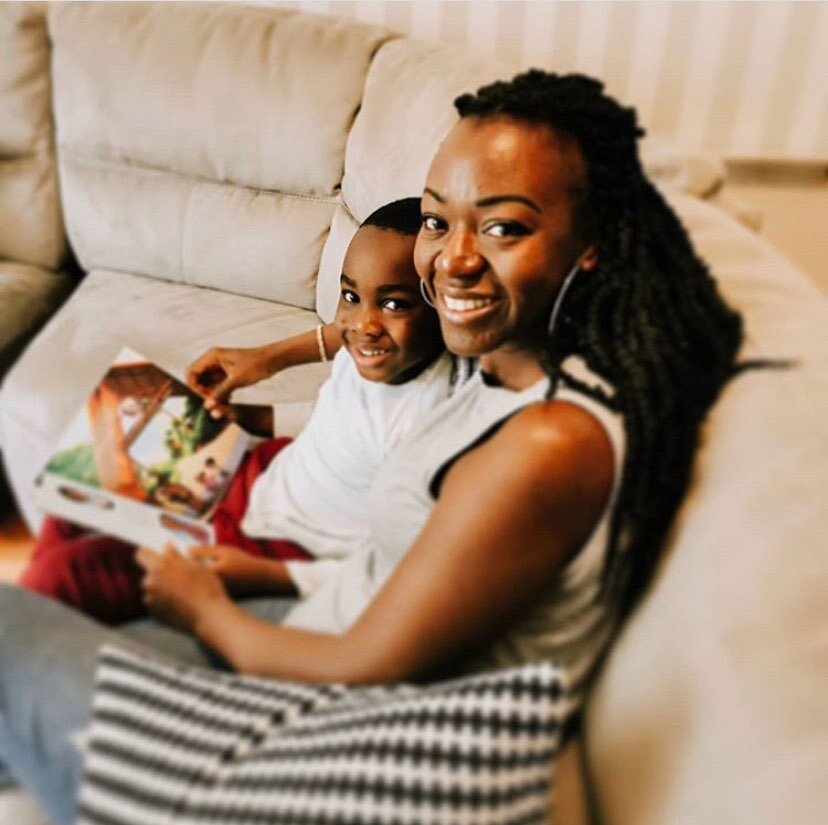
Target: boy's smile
<point>385,325</point>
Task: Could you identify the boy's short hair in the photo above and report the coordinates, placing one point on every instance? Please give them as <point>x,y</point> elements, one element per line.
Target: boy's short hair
<point>402,216</point>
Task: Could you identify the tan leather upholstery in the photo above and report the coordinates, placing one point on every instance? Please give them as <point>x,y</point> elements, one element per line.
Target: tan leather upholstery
<point>28,295</point>
<point>170,170</point>
<point>31,229</point>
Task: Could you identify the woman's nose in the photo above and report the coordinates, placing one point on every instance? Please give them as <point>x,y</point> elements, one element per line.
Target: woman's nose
<point>460,256</point>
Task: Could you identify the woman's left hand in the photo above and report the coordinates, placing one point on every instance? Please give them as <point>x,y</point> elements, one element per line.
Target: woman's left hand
<point>178,590</point>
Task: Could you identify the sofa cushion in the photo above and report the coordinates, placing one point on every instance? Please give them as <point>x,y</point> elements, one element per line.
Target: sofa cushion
<point>168,741</point>
<point>196,139</point>
<point>712,706</point>
<point>169,323</point>
<point>31,227</point>
<point>28,295</point>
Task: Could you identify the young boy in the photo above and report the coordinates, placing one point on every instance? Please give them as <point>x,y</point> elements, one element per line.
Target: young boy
<point>308,502</point>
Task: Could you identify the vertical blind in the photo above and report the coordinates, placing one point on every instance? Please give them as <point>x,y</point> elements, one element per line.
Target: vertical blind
<point>739,79</point>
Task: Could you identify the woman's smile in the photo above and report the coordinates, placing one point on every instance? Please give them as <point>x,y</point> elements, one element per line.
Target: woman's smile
<point>466,309</point>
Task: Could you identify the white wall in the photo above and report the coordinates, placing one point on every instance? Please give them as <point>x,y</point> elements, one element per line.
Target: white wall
<point>740,79</point>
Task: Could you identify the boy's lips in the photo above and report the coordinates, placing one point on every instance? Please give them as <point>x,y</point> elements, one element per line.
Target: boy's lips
<point>468,308</point>
<point>368,355</point>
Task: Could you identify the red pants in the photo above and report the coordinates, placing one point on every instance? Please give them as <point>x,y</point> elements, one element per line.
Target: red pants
<point>98,574</point>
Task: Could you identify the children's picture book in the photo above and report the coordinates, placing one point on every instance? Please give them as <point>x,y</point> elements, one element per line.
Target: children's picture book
<point>143,460</point>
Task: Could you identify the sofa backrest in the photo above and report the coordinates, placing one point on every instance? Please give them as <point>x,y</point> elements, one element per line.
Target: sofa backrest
<point>31,230</point>
<point>205,143</point>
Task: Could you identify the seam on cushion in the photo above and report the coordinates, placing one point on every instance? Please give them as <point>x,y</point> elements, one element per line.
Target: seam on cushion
<point>111,163</point>
<point>392,36</point>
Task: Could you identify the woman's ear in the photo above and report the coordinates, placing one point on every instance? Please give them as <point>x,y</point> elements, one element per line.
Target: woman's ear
<point>588,259</point>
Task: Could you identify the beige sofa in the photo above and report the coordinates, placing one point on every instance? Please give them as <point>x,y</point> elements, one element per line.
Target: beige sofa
<point>213,163</point>
<point>33,247</point>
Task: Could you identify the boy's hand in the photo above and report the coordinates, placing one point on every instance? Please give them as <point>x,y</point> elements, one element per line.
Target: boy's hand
<point>241,573</point>
<point>177,590</point>
<point>215,374</point>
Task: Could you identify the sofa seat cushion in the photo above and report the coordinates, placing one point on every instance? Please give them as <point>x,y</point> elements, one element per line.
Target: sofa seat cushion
<point>169,323</point>
<point>28,295</point>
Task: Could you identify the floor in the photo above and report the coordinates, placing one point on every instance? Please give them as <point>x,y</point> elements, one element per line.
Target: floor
<point>15,539</point>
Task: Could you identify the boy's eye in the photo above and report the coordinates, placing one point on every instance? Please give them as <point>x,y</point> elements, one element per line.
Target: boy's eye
<point>349,296</point>
<point>396,304</point>
<point>505,229</point>
<point>432,223</point>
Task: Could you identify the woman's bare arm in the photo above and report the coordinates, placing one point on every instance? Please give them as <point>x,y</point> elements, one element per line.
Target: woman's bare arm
<point>510,513</point>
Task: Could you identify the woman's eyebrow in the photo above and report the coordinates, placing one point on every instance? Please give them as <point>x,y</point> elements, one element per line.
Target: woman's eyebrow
<point>491,200</point>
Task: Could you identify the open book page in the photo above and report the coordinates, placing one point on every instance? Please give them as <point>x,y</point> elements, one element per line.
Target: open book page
<point>143,460</point>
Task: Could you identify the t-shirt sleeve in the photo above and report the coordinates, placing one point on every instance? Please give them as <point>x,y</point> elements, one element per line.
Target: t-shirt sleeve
<point>309,576</point>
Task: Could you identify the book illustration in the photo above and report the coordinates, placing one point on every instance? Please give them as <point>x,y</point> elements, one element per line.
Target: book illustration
<point>143,439</point>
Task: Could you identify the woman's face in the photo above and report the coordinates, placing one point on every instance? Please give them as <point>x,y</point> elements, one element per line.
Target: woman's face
<point>498,235</point>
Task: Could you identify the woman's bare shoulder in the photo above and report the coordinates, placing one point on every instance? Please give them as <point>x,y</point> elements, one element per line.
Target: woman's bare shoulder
<point>559,440</point>
<point>551,457</point>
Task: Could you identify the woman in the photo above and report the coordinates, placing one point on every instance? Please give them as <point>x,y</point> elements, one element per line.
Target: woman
<point>526,514</point>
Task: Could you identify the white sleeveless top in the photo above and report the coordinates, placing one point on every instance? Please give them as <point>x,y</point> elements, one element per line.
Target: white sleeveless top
<point>571,625</point>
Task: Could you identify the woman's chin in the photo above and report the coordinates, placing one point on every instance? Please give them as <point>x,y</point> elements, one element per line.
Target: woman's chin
<point>466,343</point>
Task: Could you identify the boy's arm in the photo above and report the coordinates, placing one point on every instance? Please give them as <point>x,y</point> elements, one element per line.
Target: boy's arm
<point>246,575</point>
<point>221,370</point>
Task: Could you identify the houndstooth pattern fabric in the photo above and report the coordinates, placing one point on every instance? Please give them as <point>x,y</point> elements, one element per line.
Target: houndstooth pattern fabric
<point>173,744</point>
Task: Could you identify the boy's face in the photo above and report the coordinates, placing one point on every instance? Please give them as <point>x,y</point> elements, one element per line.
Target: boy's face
<point>386,326</point>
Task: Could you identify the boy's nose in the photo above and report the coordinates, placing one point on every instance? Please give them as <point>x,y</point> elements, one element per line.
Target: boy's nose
<point>368,322</point>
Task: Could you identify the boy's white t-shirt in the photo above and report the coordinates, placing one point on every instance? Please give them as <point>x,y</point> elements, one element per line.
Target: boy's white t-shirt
<point>315,490</point>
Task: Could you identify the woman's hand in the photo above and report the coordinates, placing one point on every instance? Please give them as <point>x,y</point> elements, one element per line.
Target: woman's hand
<point>243,574</point>
<point>177,590</point>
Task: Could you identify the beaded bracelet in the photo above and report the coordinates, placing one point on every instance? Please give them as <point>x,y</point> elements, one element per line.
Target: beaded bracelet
<point>320,339</point>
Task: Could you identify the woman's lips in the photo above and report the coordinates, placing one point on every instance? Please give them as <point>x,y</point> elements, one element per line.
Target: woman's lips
<point>468,309</point>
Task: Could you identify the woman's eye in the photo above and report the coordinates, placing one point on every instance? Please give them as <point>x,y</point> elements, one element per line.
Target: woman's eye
<point>505,229</point>
<point>349,296</point>
<point>432,223</point>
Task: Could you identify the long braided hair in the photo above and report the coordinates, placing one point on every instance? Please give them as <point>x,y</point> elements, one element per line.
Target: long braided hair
<point>648,318</point>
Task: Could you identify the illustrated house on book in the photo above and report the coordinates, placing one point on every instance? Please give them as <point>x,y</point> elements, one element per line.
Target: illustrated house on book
<point>110,444</point>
